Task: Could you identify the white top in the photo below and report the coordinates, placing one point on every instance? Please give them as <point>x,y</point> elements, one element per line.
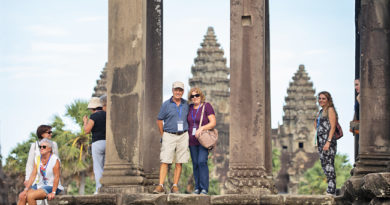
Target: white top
<point>48,179</point>
<point>32,157</point>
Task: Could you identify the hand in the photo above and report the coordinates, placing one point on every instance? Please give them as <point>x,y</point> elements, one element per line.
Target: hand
<point>25,183</point>
<point>23,195</point>
<point>51,196</point>
<point>326,146</point>
<point>85,119</point>
<point>198,131</point>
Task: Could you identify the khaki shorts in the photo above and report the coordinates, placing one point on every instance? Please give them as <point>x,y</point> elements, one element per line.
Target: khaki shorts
<point>174,144</point>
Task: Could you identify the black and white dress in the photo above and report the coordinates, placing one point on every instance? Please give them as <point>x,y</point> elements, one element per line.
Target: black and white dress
<point>327,157</point>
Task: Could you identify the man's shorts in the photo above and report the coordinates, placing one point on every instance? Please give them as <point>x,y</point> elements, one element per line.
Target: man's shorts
<point>47,189</point>
<point>174,144</point>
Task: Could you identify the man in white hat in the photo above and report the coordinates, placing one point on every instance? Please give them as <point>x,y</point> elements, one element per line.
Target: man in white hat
<point>173,126</point>
<point>97,125</point>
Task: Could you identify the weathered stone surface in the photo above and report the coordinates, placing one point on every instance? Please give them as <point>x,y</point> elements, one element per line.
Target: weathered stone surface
<point>101,199</point>
<point>250,168</point>
<point>134,85</point>
<point>378,184</point>
<point>374,142</point>
<point>190,199</point>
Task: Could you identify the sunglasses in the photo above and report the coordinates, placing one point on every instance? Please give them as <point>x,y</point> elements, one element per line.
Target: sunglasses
<point>196,95</point>
<point>49,132</point>
<point>42,147</point>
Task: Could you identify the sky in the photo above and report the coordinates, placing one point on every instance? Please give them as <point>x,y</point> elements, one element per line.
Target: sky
<point>52,52</point>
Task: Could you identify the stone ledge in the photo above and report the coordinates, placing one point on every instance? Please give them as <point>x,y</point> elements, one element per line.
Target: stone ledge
<point>191,199</point>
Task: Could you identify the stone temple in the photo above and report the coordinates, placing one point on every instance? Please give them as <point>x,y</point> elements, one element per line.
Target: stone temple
<point>134,95</point>
<point>294,138</point>
<point>211,75</point>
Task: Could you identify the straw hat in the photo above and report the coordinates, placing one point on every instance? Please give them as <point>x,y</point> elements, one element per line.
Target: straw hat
<point>94,103</point>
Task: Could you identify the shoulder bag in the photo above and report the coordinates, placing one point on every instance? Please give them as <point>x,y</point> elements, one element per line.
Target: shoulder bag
<point>207,138</point>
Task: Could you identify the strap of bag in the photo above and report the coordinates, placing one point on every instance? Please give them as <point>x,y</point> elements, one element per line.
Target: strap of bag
<point>201,117</point>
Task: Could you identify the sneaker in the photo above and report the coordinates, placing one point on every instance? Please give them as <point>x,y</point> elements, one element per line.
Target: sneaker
<point>159,190</point>
<point>203,192</point>
<point>175,189</point>
<point>196,191</point>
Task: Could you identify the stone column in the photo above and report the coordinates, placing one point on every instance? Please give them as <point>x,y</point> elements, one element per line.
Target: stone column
<point>250,127</point>
<point>134,87</point>
<point>374,142</point>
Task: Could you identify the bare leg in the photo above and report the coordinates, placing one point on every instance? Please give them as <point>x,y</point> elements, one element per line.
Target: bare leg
<point>163,172</point>
<point>33,195</point>
<point>177,173</point>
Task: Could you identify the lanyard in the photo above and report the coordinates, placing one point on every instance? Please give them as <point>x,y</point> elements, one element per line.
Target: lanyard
<point>178,111</point>
<point>43,169</point>
<point>192,113</point>
<point>318,119</point>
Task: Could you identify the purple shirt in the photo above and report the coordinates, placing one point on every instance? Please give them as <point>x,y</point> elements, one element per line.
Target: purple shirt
<point>194,115</point>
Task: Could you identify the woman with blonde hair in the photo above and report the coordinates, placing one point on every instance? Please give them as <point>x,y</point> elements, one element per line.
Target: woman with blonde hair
<point>199,154</point>
<point>47,170</point>
<point>325,124</point>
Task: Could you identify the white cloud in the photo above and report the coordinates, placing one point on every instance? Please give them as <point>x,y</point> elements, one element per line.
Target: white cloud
<point>44,30</point>
<point>89,19</point>
<point>65,47</point>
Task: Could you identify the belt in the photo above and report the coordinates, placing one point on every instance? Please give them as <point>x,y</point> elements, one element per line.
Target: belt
<point>176,133</point>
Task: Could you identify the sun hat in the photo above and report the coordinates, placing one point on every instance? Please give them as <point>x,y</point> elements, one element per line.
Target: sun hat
<point>94,103</point>
<point>178,84</point>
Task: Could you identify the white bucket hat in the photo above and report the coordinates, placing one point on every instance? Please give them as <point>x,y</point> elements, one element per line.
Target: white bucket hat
<point>94,103</point>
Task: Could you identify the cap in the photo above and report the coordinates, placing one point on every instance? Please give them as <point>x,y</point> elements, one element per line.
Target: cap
<point>178,84</point>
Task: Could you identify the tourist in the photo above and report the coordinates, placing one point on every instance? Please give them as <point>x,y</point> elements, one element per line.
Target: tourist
<point>199,154</point>
<point>325,124</point>
<point>97,125</point>
<point>354,124</point>
<point>47,170</point>
<point>43,131</point>
<point>173,126</point>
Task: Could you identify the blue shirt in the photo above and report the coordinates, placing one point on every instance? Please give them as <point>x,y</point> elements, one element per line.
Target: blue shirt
<point>170,113</point>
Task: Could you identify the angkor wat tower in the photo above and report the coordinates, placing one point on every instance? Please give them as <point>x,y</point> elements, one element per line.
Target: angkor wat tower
<point>211,75</point>
<point>100,88</point>
<point>295,137</point>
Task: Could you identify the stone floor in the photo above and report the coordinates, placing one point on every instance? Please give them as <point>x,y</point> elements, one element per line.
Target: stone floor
<point>190,199</point>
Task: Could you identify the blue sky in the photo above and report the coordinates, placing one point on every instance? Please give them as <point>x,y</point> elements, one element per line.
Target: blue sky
<point>52,52</point>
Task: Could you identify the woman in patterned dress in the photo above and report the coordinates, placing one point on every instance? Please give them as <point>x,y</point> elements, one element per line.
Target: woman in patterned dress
<point>325,124</point>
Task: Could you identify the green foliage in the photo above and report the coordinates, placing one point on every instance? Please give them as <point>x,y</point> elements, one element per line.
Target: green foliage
<point>315,180</point>
<point>186,182</point>
<point>275,161</point>
<point>16,161</point>
<point>73,147</point>
<point>73,188</point>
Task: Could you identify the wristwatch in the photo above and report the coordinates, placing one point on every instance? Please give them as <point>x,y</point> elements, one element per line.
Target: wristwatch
<point>53,192</point>
<point>329,140</point>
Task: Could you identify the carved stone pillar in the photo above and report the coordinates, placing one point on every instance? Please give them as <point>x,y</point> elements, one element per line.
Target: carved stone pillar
<point>374,142</point>
<point>250,128</point>
<point>134,88</point>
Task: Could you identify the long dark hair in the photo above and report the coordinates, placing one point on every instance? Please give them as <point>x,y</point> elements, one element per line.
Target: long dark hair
<point>42,129</point>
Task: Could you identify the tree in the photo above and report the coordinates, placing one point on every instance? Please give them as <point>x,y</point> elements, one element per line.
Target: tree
<point>315,180</point>
<point>74,146</point>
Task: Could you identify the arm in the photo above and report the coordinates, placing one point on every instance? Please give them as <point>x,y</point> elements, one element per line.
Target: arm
<point>160,127</point>
<point>56,173</point>
<point>30,162</point>
<point>333,121</point>
<point>88,124</point>
<point>28,183</point>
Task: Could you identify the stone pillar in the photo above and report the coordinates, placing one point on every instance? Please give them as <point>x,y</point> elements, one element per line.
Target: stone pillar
<point>134,87</point>
<point>250,128</point>
<point>374,142</point>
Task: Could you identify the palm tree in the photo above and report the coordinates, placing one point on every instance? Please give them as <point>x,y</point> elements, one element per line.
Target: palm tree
<point>74,146</point>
